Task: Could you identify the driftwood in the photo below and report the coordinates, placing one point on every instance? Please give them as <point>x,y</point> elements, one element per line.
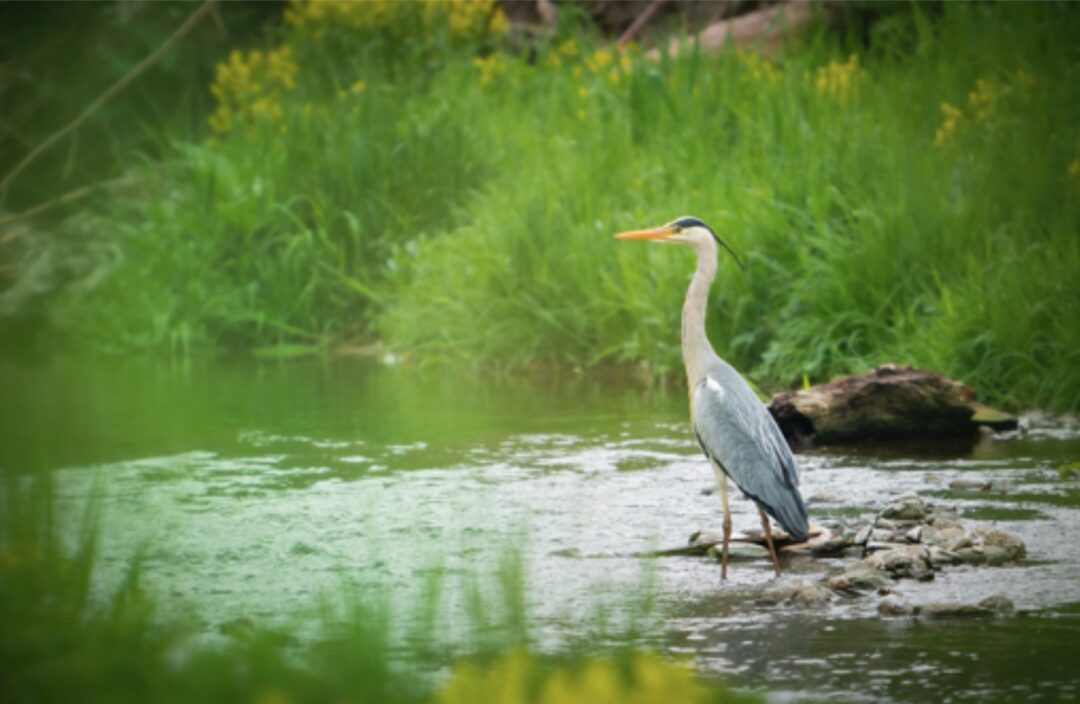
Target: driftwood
<point>887,403</point>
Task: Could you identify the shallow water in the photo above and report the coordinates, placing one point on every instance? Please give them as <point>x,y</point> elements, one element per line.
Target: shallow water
<point>251,490</point>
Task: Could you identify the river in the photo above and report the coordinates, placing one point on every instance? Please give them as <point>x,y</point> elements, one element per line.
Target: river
<point>253,490</point>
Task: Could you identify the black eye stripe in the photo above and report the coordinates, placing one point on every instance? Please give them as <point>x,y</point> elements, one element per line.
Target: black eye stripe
<point>687,222</point>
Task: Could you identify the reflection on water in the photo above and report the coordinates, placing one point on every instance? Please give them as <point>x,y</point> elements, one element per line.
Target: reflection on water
<point>252,490</point>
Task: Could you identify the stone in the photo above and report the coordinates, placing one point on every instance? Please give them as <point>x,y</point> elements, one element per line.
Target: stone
<point>941,532</point>
<point>863,536</point>
<point>802,593</point>
<point>940,556</point>
<point>857,577</point>
<point>904,561</point>
<point>879,535</point>
<point>949,610</point>
<point>828,546</point>
<point>906,508</point>
<point>914,535</point>
<point>998,603</point>
<point>970,556</point>
<point>996,555</point>
<point>987,536</point>
<point>824,498</point>
<point>885,524</point>
<point>893,605</point>
<point>976,485</point>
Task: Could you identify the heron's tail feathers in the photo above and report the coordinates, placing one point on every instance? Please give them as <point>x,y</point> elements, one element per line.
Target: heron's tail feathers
<point>790,513</point>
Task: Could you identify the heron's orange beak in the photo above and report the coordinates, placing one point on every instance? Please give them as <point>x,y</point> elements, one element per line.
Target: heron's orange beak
<point>654,233</point>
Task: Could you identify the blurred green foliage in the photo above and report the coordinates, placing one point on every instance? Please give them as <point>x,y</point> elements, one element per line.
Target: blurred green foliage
<point>903,191</point>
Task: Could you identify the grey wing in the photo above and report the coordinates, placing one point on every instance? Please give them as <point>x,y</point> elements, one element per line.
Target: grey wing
<point>737,432</point>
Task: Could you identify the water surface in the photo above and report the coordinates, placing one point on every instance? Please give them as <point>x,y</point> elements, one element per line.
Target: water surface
<point>252,490</point>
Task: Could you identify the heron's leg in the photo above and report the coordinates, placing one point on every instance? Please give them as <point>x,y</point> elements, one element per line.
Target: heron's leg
<point>727,524</point>
<point>768,539</point>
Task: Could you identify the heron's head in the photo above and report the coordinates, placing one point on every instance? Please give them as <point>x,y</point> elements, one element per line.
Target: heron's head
<point>685,230</point>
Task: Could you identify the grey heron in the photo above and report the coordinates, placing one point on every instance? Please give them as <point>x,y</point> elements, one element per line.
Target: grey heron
<point>736,432</point>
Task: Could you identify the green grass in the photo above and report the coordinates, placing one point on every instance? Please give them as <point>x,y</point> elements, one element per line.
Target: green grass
<point>467,222</point>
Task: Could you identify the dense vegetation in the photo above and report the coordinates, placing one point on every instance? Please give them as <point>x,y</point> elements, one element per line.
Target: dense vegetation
<point>905,194</point>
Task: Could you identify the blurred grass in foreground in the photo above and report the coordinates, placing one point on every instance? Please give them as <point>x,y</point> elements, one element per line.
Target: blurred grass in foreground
<point>63,640</point>
<point>913,200</point>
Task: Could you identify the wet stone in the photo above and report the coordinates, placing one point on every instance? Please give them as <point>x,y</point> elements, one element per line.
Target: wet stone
<point>906,508</point>
<point>998,603</point>
<point>802,593</point>
<point>938,610</point>
<point>971,556</point>
<point>904,561</point>
<point>885,524</point>
<point>859,577</point>
<point>989,537</point>
<point>940,556</point>
<point>975,485</point>
<point>893,605</point>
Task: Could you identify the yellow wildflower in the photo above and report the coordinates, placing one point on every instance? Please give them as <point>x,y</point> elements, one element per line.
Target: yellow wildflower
<point>249,87</point>
<point>599,60</point>
<point>1074,167</point>
<point>490,67</point>
<point>952,116</point>
<point>762,70</point>
<point>839,81</point>
<point>984,100</point>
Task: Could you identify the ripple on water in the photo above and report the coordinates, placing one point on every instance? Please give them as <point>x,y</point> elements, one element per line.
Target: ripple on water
<point>265,529</point>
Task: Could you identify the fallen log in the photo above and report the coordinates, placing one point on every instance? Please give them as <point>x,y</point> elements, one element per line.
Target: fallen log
<point>890,402</point>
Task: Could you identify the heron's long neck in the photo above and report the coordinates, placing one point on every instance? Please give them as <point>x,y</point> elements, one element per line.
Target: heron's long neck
<point>695,343</point>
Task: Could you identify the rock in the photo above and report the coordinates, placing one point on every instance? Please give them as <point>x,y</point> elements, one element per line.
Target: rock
<point>942,531</point>
<point>914,535</point>
<point>998,603</point>
<point>971,556</point>
<point>948,610</point>
<point>824,498</point>
<point>940,556</point>
<point>801,593</point>
<point>885,524</point>
<point>986,536</point>
<point>976,485</point>
<point>882,536</point>
<point>858,577</point>
<point>863,536</point>
<point>996,555</point>
<point>828,546</point>
<point>878,547</point>
<point>907,508</point>
<point>904,561</point>
<point>893,605</point>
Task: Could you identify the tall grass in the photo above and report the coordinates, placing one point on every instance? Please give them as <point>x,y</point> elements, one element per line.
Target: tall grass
<point>910,200</point>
